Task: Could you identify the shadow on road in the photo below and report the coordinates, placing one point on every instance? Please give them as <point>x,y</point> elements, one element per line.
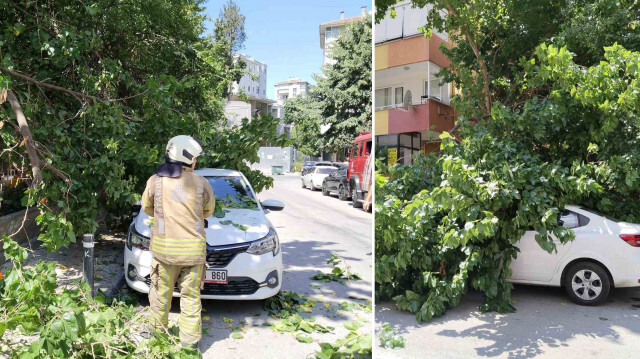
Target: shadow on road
<point>545,319</point>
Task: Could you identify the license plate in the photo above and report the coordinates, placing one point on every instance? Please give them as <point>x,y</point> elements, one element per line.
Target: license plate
<point>216,277</point>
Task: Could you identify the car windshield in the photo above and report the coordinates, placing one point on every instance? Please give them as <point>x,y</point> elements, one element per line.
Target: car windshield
<point>325,170</point>
<point>232,192</point>
<point>309,163</point>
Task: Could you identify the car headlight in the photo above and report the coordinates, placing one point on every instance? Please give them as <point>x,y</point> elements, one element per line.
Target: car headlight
<point>135,239</point>
<point>269,243</point>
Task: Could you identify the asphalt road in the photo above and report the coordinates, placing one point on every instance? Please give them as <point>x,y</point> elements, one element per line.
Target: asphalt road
<point>310,228</point>
<point>546,325</point>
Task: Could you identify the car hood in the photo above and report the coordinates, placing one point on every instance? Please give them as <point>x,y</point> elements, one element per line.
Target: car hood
<point>237,226</point>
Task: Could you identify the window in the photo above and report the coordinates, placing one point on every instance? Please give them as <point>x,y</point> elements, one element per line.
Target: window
<point>383,98</point>
<point>367,148</point>
<point>432,87</point>
<point>258,90</point>
<point>570,219</point>
<point>399,96</point>
<point>331,32</point>
<point>409,146</point>
<point>295,92</point>
<point>354,150</point>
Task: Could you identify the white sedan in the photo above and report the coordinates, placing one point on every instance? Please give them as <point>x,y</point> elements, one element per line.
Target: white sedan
<point>604,254</point>
<point>244,261</point>
<point>314,177</point>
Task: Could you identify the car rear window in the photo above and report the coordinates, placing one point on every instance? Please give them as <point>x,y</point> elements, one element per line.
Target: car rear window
<point>232,192</point>
<point>325,170</point>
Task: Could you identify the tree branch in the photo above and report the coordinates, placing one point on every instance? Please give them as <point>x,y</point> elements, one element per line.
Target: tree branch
<point>46,85</point>
<point>28,139</point>
<point>476,51</point>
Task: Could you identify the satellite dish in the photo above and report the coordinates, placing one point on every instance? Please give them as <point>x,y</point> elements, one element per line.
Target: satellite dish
<point>406,101</point>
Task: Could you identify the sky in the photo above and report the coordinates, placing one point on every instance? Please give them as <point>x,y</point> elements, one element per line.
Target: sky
<point>284,34</point>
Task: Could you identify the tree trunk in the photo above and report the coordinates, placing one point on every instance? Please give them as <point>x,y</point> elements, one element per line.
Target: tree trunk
<point>28,140</point>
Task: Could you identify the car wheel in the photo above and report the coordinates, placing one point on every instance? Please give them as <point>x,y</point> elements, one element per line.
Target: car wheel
<point>325,191</point>
<point>587,283</point>
<point>303,186</point>
<point>354,199</point>
<point>342,193</point>
<point>312,187</point>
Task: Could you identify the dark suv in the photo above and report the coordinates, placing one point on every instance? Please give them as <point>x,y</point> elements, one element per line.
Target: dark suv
<point>337,183</point>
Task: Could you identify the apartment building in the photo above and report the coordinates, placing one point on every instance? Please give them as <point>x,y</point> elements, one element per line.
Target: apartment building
<point>290,89</point>
<point>411,104</point>
<point>329,32</point>
<point>254,87</point>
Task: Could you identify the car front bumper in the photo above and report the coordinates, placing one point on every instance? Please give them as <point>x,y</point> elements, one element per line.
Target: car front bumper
<point>247,275</point>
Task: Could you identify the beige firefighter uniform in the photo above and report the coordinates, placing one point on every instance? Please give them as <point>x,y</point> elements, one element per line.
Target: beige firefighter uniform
<point>179,206</point>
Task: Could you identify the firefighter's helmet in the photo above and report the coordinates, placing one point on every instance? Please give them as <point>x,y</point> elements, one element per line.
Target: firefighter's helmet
<point>184,149</point>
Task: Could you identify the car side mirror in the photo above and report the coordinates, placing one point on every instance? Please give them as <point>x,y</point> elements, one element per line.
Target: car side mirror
<point>136,209</point>
<point>273,205</point>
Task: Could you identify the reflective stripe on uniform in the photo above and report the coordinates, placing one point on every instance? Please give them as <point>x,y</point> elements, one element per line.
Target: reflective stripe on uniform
<point>171,246</point>
<point>158,206</point>
<point>198,204</point>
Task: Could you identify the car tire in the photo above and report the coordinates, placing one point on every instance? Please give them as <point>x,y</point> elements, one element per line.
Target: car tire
<point>311,186</point>
<point>354,198</point>
<point>325,191</point>
<point>342,193</point>
<point>303,186</point>
<point>587,283</point>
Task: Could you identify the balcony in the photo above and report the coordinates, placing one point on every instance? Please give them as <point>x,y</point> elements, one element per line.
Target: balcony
<point>428,114</point>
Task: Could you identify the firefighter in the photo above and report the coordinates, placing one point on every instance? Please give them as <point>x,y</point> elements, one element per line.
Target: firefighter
<point>179,201</point>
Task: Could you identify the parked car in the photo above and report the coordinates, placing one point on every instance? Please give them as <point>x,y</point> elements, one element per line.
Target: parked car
<point>337,183</point>
<point>243,250</point>
<point>604,254</point>
<point>360,168</point>
<point>314,176</point>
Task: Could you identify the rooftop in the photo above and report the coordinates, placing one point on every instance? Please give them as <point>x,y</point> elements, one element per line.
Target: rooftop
<point>290,81</point>
<point>248,58</point>
<point>341,22</point>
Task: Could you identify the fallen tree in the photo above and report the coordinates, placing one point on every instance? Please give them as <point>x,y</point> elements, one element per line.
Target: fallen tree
<point>558,127</point>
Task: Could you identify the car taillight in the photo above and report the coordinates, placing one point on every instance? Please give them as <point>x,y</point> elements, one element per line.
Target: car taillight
<point>632,239</point>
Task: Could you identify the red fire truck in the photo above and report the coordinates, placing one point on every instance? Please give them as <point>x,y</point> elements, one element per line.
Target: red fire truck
<point>359,172</point>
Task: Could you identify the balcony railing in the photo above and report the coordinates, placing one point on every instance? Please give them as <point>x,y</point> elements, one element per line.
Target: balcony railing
<point>423,100</point>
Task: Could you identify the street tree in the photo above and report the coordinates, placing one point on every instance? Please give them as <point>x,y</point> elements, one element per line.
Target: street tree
<point>343,90</point>
<point>304,113</point>
<point>229,26</point>
<point>545,119</point>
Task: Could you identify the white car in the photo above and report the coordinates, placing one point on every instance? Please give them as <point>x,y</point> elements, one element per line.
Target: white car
<point>604,254</point>
<point>244,259</point>
<point>314,176</point>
